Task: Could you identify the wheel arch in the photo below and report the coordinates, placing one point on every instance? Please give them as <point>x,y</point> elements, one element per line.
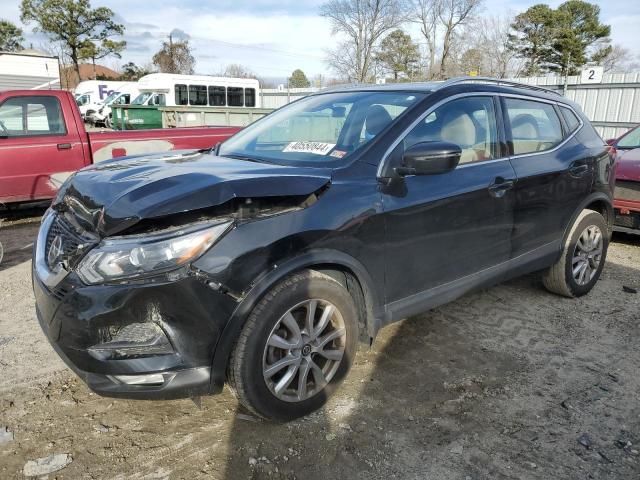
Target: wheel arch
<point>344,268</point>
<point>599,202</point>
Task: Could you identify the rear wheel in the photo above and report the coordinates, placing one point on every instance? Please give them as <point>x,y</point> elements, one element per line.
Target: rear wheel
<point>583,257</point>
<point>297,345</point>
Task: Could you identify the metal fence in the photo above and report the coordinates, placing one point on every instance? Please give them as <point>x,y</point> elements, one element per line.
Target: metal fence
<point>613,106</point>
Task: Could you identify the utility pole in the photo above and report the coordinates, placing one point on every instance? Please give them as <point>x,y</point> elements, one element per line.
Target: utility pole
<point>566,75</point>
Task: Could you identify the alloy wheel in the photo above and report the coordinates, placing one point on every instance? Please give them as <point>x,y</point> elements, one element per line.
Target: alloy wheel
<point>587,255</point>
<point>304,350</point>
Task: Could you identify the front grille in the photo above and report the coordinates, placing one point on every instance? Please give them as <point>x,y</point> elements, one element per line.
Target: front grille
<point>627,190</point>
<point>69,242</point>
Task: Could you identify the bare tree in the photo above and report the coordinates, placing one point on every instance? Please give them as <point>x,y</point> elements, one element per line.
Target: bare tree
<point>236,70</point>
<point>490,38</point>
<point>441,22</point>
<point>364,23</point>
<point>426,13</point>
<point>453,14</point>
<point>619,59</point>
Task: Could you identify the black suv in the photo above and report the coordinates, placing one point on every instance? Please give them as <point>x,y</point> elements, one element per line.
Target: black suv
<point>263,262</point>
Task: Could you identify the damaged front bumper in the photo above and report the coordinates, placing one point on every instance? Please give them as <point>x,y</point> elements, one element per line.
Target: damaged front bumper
<point>134,340</point>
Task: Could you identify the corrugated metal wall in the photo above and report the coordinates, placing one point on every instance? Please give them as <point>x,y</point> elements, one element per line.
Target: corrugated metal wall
<point>19,72</point>
<point>613,106</point>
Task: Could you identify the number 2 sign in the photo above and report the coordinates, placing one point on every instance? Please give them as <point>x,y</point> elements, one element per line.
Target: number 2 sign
<point>592,75</point>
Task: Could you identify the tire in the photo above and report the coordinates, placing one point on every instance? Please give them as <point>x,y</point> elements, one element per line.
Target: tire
<point>107,121</point>
<point>259,347</point>
<point>589,228</point>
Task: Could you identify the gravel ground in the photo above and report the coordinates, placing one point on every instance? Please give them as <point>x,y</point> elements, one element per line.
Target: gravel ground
<point>510,382</point>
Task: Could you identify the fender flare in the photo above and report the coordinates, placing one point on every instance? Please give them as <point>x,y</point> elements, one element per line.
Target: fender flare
<point>593,197</point>
<point>319,257</point>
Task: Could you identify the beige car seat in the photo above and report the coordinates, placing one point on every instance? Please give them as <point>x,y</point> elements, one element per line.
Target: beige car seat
<point>459,128</point>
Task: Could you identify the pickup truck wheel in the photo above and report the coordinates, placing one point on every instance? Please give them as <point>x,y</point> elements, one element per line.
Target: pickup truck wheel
<point>296,346</point>
<point>582,259</point>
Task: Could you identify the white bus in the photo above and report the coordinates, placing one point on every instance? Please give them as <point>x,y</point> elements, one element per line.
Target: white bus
<point>167,89</point>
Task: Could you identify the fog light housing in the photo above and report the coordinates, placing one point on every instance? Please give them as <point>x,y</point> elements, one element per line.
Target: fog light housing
<point>154,379</point>
<point>134,340</point>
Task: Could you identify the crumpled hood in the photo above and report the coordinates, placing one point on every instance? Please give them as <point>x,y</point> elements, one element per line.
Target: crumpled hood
<point>628,165</point>
<point>114,195</point>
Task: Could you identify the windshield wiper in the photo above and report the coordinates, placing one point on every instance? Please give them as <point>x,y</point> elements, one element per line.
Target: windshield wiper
<point>247,159</point>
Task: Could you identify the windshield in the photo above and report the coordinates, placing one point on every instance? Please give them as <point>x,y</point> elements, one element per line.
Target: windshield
<point>630,140</point>
<point>111,98</point>
<point>82,100</point>
<point>320,128</point>
<point>142,98</point>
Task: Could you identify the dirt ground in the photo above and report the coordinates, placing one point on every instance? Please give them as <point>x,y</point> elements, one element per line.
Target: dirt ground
<point>508,383</point>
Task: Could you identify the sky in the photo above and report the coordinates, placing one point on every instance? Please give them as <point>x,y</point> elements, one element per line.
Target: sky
<point>271,37</point>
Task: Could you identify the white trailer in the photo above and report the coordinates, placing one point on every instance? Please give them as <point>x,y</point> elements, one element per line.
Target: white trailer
<point>28,70</point>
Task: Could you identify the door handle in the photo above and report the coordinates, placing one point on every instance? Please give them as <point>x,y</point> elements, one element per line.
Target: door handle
<point>578,169</point>
<point>64,146</point>
<point>500,186</point>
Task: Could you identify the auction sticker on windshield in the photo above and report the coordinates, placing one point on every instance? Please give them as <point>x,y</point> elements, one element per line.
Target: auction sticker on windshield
<point>317,148</point>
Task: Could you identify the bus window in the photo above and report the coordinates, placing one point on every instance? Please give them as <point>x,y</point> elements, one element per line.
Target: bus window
<point>197,95</point>
<point>249,97</point>
<point>235,97</point>
<point>217,96</point>
<point>181,95</point>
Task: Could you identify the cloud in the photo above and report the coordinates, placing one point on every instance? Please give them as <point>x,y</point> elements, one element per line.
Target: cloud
<point>179,35</point>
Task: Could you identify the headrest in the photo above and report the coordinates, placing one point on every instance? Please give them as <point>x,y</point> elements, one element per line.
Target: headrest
<point>377,119</point>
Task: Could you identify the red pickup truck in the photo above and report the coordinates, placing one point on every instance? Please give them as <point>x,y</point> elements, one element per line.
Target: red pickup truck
<point>43,141</point>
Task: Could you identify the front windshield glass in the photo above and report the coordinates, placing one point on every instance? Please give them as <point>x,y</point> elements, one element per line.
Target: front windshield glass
<point>320,128</point>
<point>630,140</point>
<point>111,98</point>
<point>82,100</point>
<point>142,98</point>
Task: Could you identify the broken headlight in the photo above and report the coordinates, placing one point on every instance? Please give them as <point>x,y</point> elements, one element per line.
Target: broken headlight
<point>133,256</point>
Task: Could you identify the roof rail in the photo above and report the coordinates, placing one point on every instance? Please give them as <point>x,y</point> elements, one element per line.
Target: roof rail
<point>496,81</point>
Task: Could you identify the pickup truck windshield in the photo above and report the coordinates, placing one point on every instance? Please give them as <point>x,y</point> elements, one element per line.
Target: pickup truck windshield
<point>320,129</point>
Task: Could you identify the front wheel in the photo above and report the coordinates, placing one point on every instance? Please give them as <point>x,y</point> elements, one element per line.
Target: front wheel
<point>296,346</point>
<point>582,259</point>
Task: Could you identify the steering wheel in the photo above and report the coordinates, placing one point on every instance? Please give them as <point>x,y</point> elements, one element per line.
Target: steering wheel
<point>4,129</point>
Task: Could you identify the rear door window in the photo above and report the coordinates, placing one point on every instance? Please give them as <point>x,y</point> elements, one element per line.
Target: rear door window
<point>29,116</point>
<point>535,126</point>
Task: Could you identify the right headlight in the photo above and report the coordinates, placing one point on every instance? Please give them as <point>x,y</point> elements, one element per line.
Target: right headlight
<point>135,256</point>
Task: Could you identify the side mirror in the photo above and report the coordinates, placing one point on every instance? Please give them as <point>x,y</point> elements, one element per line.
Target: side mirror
<point>612,141</point>
<point>430,158</point>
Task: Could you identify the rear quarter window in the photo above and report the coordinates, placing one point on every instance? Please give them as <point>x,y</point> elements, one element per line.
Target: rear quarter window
<point>570,119</point>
